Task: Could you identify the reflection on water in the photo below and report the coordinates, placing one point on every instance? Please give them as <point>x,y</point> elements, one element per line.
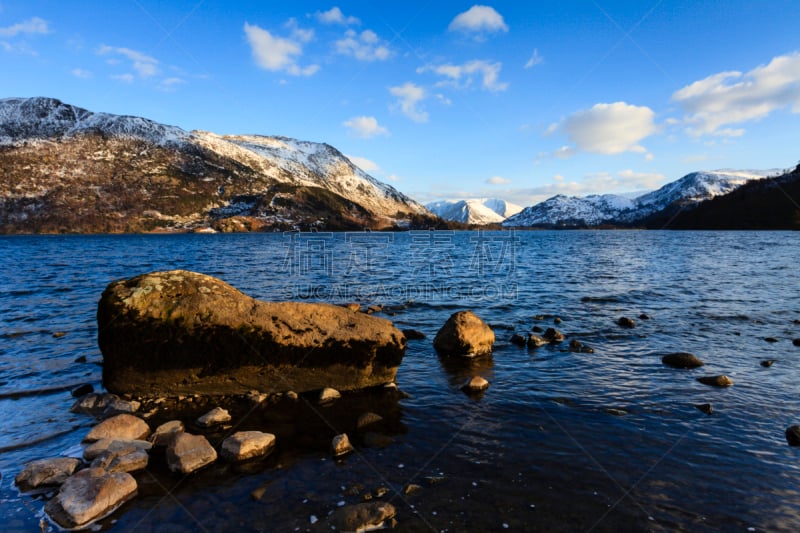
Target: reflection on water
<point>560,441</point>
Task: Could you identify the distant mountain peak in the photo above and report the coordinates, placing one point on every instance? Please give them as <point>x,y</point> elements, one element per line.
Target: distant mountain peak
<point>474,210</point>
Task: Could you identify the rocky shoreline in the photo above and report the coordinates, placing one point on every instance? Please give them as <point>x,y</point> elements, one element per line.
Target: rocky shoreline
<point>140,430</point>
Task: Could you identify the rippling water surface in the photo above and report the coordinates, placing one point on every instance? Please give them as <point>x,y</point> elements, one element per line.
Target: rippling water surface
<point>565,441</point>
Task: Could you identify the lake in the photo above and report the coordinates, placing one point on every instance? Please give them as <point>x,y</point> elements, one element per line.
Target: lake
<point>561,441</point>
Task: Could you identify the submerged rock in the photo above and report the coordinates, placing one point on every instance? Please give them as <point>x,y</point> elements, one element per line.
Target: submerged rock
<point>625,322</point>
<point>466,334</point>
<point>475,385</point>
<point>796,342</point>
<point>705,408</point>
<point>414,334</point>
<point>716,381</point>
<point>682,360</point>
<point>244,445</point>
<point>518,339</point>
<point>179,332</point>
<point>187,453</point>
<point>362,516</point>
<point>552,335</point>
<point>766,363</point>
<point>88,495</point>
<point>82,390</point>
<point>119,427</point>
<point>46,472</point>
<point>367,419</point>
<point>793,435</point>
<point>535,341</point>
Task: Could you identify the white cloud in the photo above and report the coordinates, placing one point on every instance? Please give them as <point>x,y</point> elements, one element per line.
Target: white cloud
<point>127,78</point>
<point>535,59</point>
<point>462,76</point>
<point>365,127</point>
<point>276,54</point>
<point>393,177</point>
<point>81,73</point>
<point>610,128</point>
<point>34,25</point>
<point>171,84</point>
<point>298,33</point>
<point>479,19</point>
<point>363,163</point>
<point>145,66</point>
<point>565,152</point>
<point>443,99</point>
<point>335,16</point>
<point>734,97</point>
<point>498,180</point>
<point>408,98</point>
<point>365,46</point>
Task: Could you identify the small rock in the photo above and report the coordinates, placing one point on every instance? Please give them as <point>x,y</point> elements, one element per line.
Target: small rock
<point>518,339</point>
<point>766,363</point>
<point>102,446</point>
<point>363,516</point>
<point>291,395</point>
<point>352,306</point>
<point>81,359</point>
<point>535,341</point>
<point>716,381</point>
<point>644,316</point>
<point>553,335</point>
<point>258,493</point>
<point>465,334</point>
<point>166,431</point>
<point>575,345</point>
<point>329,394</point>
<point>59,334</point>
<point>340,445</point>
<point>367,419</point>
<point>82,390</point>
<point>119,427</point>
<point>682,360</point>
<point>257,398</point>
<point>705,408</point>
<point>244,445</point>
<point>557,320</point>
<point>88,495</point>
<point>411,488</point>
<point>796,321</point>
<point>188,453</point>
<point>216,416</point>
<point>586,349</point>
<point>376,440</point>
<point>796,342</point>
<point>615,412</point>
<point>537,329</point>
<point>625,322</point>
<point>475,384</point>
<point>539,317</point>
<point>374,309</point>
<point>793,436</point>
<point>128,460</point>
<point>380,492</point>
<point>413,334</point>
<point>46,472</point>
<point>354,489</point>
<point>770,339</point>
<point>118,406</point>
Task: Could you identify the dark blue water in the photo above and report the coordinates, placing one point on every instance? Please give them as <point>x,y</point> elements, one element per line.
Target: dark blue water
<point>539,451</point>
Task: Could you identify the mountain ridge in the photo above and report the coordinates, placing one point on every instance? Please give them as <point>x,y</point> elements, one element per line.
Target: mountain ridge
<point>478,211</point>
<point>69,169</point>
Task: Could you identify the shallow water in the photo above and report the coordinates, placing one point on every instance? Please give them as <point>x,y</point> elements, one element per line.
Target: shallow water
<point>538,451</point>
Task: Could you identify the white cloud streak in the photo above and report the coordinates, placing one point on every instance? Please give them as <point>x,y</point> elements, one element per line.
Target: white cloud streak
<point>363,163</point>
<point>335,16</point>
<point>734,97</point>
<point>535,59</point>
<point>145,66</point>
<point>364,46</point>
<point>365,127</point>
<point>409,97</point>
<point>31,26</point>
<point>277,54</point>
<point>463,76</point>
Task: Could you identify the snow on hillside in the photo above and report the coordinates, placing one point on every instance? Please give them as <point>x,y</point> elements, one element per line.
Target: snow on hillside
<point>610,208</point>
<point>474,211</point>
<point>280,158</point>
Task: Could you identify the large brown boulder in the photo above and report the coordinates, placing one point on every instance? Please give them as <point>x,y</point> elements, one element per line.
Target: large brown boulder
<point>466,334</point>
<point>179,332</point>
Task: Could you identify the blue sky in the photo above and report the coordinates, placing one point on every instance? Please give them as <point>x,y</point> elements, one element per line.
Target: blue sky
<point>443,99</point>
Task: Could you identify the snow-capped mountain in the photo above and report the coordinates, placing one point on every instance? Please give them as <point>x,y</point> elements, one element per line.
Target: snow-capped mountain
<point>571,211</point>
<point>67,168</point>
<point>474,211</point>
